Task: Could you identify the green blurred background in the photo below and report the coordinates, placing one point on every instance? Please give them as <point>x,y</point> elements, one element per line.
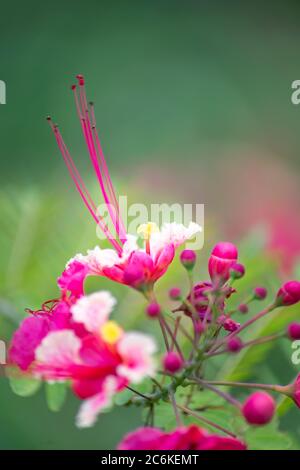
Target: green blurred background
<point>193,104</point>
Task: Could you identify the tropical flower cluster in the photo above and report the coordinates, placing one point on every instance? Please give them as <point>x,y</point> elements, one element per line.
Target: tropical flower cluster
<point>74,340</point>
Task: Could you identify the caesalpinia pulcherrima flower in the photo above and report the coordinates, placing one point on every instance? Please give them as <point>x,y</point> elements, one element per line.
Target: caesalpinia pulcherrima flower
<point>126,262</point>
<point>85,347</point>
<point>190,438</point>
<point>72,339</point>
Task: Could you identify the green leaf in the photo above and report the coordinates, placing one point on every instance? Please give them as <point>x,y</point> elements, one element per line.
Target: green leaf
<point>164,416</point>
<point>55,395</point>
<point>284,405</point>
<point>267,438</point>
<point>23,386</point>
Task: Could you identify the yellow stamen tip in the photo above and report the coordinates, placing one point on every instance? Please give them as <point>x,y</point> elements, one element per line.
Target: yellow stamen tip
<point>146,230</point>
<point>111,332</point>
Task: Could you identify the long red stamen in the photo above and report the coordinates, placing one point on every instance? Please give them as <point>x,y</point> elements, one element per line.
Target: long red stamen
<point>97,158</point>
<point>120,228</point>
<point>81,188</point>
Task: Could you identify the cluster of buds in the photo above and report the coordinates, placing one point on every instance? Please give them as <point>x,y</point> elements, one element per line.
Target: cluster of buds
<point>214,331</point>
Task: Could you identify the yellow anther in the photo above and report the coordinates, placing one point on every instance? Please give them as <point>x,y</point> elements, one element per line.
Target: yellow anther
<point>146,230</point>
<point>111,332</point>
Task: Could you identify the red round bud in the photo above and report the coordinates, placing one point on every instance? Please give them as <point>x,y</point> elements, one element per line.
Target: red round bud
<point>293,330</point>
<point>260,293</point>
<point>153,310</point>
<point>175,293</point>
<point>234,344</point>
<point>223,256</point>
<point>172,362</point>
<point>188,258</point>
<point>259,408</point>
<point>289,293</point>
<point>237,271</point>
<point>243,308</point>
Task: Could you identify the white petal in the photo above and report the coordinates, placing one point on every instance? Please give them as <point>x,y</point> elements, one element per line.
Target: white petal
<point>129,246</point>
<point>78,257</point>
<point>59,349</point>
<point>93,310</point>
<point>91,407</point>
<point>96,259</point>
<point>178,233</point>
<point>99,259</point>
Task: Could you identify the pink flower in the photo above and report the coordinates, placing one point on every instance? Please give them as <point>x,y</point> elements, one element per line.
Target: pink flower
<point>182,438</point>
<point>125,262</point>
<point>34,328</point>
<point>223,256</point>
<point>136,267</point>
<point>83,346</point>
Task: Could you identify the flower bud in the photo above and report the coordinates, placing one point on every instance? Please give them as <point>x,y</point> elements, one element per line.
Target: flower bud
<point>243,308</point>
<point>172,362</point>
<point>175,293</point>
<point>153,309</point>
<point>234,344</point>
<point>260,293</point>
<point>223,256</point>
<point>288,294</point>
<point>259,408</point>
<point>188,259</point>
<point>237,271</point>
<point>230,325</point>
<point>293,330</point>
<point>295,391</point>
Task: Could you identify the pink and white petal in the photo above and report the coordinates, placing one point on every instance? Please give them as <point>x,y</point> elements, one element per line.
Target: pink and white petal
<point>96,259</point>
<point>99,258</point>
<point>73,277</point>
<point>157,243</point>
<point>136,351</point>
<point>56,354</point>
<point>27,338</point>
<point>91,407</point>
<point>129,246</point>
<point>93,310</point>
<point>163,259</point>
<point>115,273</point>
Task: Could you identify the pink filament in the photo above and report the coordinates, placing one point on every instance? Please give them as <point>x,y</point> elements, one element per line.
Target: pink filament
<point>88,125</point>
<point>81,188</point>
<point>120,229</point>
<point>97,158</point>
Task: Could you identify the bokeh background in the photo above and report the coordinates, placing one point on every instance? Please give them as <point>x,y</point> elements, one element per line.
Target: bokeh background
<point>193,103</point>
